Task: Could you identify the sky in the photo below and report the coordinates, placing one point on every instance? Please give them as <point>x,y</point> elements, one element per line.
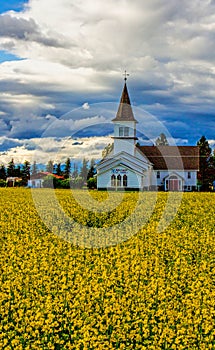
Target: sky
<point>61,74</point>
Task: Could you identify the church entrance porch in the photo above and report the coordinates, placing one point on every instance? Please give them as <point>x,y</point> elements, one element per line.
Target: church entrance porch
<point>173,183</point>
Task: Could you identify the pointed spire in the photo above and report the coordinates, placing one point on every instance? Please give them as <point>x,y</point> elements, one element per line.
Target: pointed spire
<point>125,112</point>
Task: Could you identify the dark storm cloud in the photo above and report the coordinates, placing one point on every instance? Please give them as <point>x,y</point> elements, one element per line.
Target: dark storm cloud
<point>18,28</point>
<point>8,143</point>
<point>27,30</point>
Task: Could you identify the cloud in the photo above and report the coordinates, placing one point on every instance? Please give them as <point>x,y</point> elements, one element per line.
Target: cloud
<point>8,143</point>
<point>17,28</point>
<point>212,143</point>
<point>79,50</point>
<point>27,30</point>
<point>42,150</point>
<point>86,105</point>
<point>3,127</point>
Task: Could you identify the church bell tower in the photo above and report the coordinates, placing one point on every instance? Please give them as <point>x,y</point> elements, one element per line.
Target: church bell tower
<point>124,125</point>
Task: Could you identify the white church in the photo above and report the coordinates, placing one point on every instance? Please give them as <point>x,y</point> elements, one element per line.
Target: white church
<point>133,167</point>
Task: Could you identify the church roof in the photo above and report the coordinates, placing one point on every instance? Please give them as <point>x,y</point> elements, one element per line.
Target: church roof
<point>125,112</point>
<point>172,157</point>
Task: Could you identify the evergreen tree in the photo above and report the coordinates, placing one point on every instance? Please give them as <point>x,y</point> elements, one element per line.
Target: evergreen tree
<point>67,169</point>
<point>162,140</point>
<point>50,166</point>
<point>75,171</point>
<point>26,172</point>
<point>213,158</point>
<point>92,170</point>
<point>3,173</point>
<point>205,162</point>
<point>84,170</point>
<point>58,170</point>
<point>34,168</point>
<point>11,168</point>
<point>17,171</point>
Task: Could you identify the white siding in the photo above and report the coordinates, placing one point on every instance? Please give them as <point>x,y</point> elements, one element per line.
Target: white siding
<point>37,183</point>
<point>126,145</point>
<point>182,174</point>
<point>134,180</point>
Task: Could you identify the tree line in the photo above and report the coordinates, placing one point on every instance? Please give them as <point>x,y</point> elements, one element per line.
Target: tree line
<point>75,177</point>
<point>67,174</point>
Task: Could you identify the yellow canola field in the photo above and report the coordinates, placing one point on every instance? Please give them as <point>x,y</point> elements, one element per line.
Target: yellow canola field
<point>154,291</point>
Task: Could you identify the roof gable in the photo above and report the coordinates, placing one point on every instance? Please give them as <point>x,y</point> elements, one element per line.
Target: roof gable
<point>123,158</point>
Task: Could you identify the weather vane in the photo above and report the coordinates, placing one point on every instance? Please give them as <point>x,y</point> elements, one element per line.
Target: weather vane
<point>126,75</point>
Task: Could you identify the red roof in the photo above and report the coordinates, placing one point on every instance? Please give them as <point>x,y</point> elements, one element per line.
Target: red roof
<point>172,157</point>
<point>43,174</point>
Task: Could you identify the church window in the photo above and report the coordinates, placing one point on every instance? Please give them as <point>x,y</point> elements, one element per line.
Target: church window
<point>123,131</point>
<point>125,181</point>
<point>118,180</point>
<point>126,131</point>
<point>113,181</point>
<point>189,175</point>
<point>158,174</point>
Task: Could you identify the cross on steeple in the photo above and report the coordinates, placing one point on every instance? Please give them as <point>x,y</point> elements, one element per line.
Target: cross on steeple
<point>126,75</point>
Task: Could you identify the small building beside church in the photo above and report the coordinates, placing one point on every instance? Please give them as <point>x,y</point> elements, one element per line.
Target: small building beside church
<point>36,180</point>
<point>133,167</point>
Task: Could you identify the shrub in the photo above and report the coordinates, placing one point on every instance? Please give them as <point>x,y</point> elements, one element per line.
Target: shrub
<point>92,183</point>
<point>2,183</point>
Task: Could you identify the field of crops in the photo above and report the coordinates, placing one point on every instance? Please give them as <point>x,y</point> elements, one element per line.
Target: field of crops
<point>153,290</point>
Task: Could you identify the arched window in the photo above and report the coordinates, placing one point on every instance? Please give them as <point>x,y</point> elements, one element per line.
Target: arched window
<point>118,180</point>
<point>113,180</point>
<point>125,181</point>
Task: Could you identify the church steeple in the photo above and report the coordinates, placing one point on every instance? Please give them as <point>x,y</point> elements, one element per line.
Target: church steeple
<point>124,124</point>
<point>125,112</point>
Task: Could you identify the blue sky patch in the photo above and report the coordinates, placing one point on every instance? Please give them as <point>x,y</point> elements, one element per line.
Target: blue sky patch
<point>15,5</point>
<point>6,56</point>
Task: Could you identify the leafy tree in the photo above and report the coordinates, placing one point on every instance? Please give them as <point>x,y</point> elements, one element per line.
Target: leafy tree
<point>65,183</point>
<point>67,169</point>
<point>50,166</point>
<point>11,168</point>
<point>3,173</point>
<point>92,183</point>
<point>78,182</point>
<point>206,170</point>
<point>2,183</point>
<point>50,181</point>
<point>162,140</point>
<point>107,150</point>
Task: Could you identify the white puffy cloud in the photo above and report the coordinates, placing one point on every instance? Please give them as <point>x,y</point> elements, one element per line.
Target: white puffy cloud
<point>48,148</point>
